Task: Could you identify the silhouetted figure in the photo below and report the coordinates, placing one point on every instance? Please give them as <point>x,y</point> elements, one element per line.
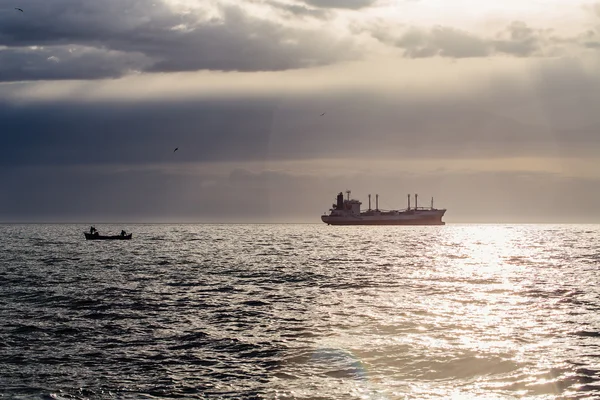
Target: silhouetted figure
<point>92,230</point>
<point>123,233</point>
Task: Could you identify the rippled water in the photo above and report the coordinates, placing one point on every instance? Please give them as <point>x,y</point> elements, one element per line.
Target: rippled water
<point>301,312</point>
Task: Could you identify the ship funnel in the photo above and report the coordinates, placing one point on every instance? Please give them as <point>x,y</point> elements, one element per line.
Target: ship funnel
<point>340,201</point>
<point>369,202</point>
<point>432,203</point>
<point>408,202</point>
<point>416,199</point>
<point>377,202</point>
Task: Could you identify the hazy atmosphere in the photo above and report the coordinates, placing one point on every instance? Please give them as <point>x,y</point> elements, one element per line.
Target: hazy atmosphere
<point>276,106</point>
<point>171,217</point>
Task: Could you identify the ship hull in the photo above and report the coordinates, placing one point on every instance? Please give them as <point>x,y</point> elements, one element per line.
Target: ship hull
<point>364,221</point>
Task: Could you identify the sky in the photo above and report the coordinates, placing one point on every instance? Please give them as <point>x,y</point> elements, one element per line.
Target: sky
<point>489,107</point>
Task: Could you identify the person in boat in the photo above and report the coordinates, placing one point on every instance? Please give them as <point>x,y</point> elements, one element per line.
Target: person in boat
<point>92,230</point>
<point>123,233</point>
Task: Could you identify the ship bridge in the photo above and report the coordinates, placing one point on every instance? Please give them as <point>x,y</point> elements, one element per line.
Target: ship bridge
<point>346,206</point>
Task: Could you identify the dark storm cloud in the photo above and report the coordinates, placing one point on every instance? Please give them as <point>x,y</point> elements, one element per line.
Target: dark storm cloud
<point>243,44</point>
<point>359,124</point>
<point>517,39</point>
<point>58,62</point>
<point>138,35</point>
<point>74,134</point>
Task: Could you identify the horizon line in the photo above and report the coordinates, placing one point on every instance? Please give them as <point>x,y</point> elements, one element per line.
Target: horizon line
<point>272,223</point>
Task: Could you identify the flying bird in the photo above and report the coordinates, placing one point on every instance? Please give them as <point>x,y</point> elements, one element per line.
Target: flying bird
<point>322,114</point>
<point>176,148</point>
<point>19,9</point>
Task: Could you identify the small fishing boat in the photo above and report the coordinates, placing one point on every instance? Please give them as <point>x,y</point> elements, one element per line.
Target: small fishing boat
<point>96,236</point>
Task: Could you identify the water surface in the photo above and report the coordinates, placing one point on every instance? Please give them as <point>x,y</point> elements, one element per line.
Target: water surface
<point>300,312</point>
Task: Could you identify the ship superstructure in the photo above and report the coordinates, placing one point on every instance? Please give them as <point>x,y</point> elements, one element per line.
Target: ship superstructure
<point>347,211</point>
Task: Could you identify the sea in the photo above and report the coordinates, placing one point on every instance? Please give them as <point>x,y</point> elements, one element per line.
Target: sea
<point>305,311</point>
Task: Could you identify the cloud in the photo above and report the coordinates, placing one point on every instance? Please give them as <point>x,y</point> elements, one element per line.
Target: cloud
<point>443,41</point>
<point>72,134</point>
<point>517,39</point>
<point>131,35</point>
<point>350,4</point>
<point>300,10</point>
<point>520,40</point>
<point>62,62</point>
<point>554,116</point>
<point>69,39</point>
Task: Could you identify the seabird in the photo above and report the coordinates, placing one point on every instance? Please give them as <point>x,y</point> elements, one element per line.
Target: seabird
<point>176,148</point>
<point>322,114</point>
<point>19,9</point>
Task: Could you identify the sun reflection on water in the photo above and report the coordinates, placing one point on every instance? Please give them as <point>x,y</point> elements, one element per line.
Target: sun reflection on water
<point>474,314</point>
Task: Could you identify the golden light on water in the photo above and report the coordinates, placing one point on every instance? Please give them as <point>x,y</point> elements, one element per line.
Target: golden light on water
<point>482,301</point>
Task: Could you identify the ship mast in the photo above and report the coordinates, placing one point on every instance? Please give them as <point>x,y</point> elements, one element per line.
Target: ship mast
<point>408,202</point>
<point>369,202</point>
<point>416,205</point>
<point>376,202</point>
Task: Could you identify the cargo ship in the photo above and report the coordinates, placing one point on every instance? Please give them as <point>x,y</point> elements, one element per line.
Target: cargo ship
<point>347,212</point>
